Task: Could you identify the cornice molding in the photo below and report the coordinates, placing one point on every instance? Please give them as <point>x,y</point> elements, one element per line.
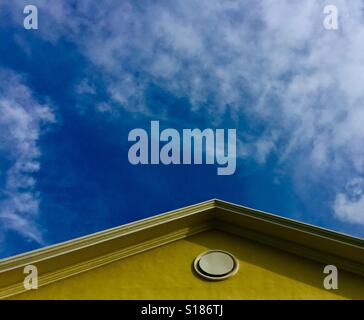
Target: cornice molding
<point>290,223</point>
<point>102,236</point>
<point>81,267</point>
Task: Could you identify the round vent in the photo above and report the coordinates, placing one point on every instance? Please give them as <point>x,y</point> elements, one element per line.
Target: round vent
<point>216,265</point>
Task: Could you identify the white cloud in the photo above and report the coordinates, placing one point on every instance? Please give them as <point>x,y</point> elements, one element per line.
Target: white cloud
<point>349,206</point>
<point>21,117</point>
<point>271,62</point>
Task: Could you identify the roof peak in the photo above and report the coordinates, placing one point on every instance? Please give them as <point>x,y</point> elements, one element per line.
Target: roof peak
<point>102,247</point>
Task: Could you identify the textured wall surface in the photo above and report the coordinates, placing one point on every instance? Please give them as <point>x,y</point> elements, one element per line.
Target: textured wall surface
<point>166,273</point>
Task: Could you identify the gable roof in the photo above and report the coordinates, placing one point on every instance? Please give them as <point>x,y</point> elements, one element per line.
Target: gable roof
<point>75,256</point>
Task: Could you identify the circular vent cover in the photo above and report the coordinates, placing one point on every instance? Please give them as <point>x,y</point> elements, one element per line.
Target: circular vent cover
<point>216,265</point>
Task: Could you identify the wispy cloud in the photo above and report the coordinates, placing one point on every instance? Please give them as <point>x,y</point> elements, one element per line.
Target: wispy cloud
<point>349,205</point>
<point>21,118</point>
<point>271,62</point>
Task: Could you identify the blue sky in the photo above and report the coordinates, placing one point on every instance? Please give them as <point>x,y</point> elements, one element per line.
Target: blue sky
<point>71,91</point>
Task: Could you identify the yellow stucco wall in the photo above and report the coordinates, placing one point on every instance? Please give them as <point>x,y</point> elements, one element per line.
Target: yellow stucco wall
<point>166,273</point>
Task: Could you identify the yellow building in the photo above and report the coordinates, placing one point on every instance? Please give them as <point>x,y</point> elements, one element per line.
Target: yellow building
<point>168,256</point>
